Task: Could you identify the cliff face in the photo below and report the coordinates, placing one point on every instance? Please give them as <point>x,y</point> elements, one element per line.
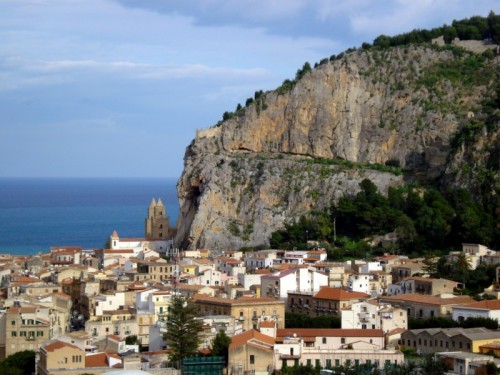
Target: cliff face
<point>291,152</point>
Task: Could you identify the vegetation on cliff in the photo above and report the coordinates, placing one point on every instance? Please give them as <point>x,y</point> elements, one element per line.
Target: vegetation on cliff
<point>474,28</point>
<point>423,219</point>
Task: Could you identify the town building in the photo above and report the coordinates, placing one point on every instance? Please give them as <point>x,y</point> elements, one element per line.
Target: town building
<point>431,340</point>
<point>259,353</point>
<point>481,309</point>
<point>327,301</point>
<point>423,285</point>
<point>250,311</point>
<point>425,306</point>
<point>373,315</point>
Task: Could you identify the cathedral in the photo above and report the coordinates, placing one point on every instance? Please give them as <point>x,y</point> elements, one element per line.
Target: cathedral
<point>157,225</point>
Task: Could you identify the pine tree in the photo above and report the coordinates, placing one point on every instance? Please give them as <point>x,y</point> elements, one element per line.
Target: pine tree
<point>183,328</point>
<point>220,345</point>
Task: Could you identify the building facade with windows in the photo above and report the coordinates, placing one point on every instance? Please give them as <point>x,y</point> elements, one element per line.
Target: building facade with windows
<point>249,310</point>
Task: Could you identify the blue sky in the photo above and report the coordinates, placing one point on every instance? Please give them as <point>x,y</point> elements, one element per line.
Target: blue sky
<point>114,88</point>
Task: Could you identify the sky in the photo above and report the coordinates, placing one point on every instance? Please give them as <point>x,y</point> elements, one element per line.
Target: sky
<point>117,88</point>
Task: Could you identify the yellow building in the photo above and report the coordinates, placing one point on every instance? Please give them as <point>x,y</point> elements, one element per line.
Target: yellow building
<point>58,355</point>
<point>249,310</point>
<point>433,340</point>
<point>251,351</point>
<point>24,329</point>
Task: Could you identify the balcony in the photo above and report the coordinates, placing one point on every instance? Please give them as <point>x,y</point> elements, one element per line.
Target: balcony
<point>30,338</point>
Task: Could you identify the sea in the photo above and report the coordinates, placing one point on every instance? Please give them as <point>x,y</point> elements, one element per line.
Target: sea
<point>38,213</point>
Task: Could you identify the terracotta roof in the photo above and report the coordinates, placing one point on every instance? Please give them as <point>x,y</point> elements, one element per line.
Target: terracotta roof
<point>426,299</point>
<point>396,331</point>
<point>243,338</point>
<point>491,345</point>
<point>74,249</point>
<point>268,324</point>
<point>230,260</point>
<point>428,279</point>
<point>262,271</point>
<point>58,345</point>
<point>243,300</point>
<point>115,338</point>
<point>282,267</point>
<point>62,295</point>
<point>484,305</point>
<point>339,294</point>
<point>96,360</point>
<point>328,332</point>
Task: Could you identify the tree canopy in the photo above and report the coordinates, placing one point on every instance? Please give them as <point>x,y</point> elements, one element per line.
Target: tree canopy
<point>424,219</point>
<point>20,363</point>
<point>183,328</point>
<point>220,345</point>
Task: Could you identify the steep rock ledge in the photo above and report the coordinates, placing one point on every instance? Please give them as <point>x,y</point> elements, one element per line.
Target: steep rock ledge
<point>244,178</point>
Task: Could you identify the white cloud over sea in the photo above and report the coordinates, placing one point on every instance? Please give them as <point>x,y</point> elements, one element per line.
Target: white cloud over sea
<point>118,87</point>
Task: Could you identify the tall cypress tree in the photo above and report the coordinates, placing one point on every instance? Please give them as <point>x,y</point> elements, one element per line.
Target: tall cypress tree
<point>183,328</point>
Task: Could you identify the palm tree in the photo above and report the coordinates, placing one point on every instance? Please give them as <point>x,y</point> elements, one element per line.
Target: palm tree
<point>462,263</point>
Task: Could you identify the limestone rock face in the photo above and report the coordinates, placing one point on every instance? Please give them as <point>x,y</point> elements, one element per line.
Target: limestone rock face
<point>291,152</point>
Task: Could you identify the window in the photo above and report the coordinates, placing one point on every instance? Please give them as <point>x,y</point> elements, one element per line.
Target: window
<point>318,363</point>
<point>328,363</point>
<point>13,322</point>
<point>22,333</point>
<point>324,340</point>
<point>309,362</point>
<point>342,340</point>
<point>252,359</point>
<point>14,333</point>
<point>337,362</point>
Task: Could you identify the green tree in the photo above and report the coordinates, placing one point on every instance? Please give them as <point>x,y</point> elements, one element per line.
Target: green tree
<point>461,264</point>
<point>220,345</point>
<point>430,264</point>
<point>20,363</point>
<point>183,328</point>
<point>132,340</point>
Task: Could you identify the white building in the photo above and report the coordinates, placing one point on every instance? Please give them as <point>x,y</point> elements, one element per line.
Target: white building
<point>279,284</point>
<point>360,283</point>
<point>373,315</point>
<point>465,363</point>
<point>482,309</point>
<point>106,302</point>
<point>370,267</point>
<point>258,261</point>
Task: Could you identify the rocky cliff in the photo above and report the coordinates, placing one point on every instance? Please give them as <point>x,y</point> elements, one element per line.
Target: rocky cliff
<point>368,114</point>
